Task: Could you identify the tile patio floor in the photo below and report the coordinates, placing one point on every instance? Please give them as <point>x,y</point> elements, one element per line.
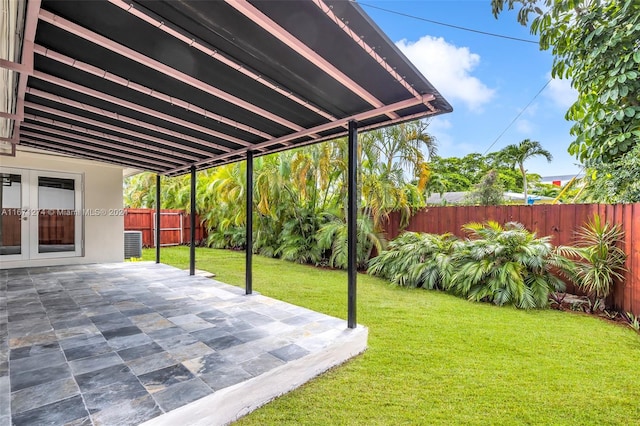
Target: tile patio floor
<point>123,344</point>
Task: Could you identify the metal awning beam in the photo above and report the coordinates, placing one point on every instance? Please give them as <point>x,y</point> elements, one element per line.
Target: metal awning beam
<point>81,153</point>
<point>321,128</point>
<point>305,51</point>
<point>69,136</point>
<point>137,11</point>
<point>131,54</point>
<point>59,57</point>
<point>370,50</point>
<point>135,107</point>
<point>16,66</point>
<point>361,129</point>
<point>26,58</point>
<point>145,149</point>
<point>9,116</point>
<point>121,130</point>
<point>79,145</point>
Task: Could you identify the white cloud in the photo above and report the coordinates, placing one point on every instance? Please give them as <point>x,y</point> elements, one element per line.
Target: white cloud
<point>532,110</point>
<point>449,68</point>
<point>561,93</point>
<point>524,126</point>
<point>447,145</point>
<point>439,123</point>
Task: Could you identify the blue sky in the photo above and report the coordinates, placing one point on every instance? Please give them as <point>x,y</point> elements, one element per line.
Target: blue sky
<point>488,80</point>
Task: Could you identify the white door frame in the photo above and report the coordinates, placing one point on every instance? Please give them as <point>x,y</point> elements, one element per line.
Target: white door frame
<point>31,212</point>
<point>24,219</point>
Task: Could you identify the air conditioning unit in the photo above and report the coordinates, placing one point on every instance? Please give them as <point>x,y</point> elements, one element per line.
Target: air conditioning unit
<point>132,244</point>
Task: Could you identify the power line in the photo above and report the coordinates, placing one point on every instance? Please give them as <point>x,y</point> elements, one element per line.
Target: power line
<point>517,116</point>
<point>406,15</point>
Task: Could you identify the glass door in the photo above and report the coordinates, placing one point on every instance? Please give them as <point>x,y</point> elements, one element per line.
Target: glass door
<point>14,230</point>
<point>56,223</point>
<point>41,214</point>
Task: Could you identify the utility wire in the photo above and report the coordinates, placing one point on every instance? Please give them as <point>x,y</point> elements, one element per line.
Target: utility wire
<point>517,116</point>
<point>406,15</point>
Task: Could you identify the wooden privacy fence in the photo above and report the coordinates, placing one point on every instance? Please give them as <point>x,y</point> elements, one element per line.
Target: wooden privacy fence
<point>559,221</point>
<point>175,226</point>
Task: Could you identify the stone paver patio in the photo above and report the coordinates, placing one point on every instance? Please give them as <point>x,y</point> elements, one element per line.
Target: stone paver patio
<point>123,344</point>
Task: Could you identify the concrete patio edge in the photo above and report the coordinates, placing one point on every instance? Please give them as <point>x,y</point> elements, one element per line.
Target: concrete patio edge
<point>230,404</point>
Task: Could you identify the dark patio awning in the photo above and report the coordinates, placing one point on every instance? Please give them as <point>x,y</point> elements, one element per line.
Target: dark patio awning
<point>163,85</point>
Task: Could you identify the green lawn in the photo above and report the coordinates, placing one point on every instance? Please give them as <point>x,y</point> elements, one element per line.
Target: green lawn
<point>437,359</point>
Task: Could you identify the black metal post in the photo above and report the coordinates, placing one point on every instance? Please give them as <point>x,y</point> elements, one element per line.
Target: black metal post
<point>158,203</point>
<point>249,237</point>
<point>192,247</point>
<point>352,224</point>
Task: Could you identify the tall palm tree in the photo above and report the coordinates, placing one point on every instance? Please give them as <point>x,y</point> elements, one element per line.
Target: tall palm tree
<point>406,145</point>
<point>389,158</point>
<point>516,155</point>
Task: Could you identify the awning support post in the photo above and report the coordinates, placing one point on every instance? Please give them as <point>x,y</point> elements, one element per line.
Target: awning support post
<point>158,204</point>
<point>352,223</point>
<point>192,243</point>
<point>249,227</point>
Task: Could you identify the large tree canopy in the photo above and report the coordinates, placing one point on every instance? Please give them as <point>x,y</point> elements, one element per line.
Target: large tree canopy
<point>596,44</point>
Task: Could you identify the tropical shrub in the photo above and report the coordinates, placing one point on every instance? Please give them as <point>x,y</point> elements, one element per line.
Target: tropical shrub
<point>598,258</point>
<point>416,260</point>
<point>298,241</point>
<point>333,239</point>
<point>506,265</point>
<point>232,237</point>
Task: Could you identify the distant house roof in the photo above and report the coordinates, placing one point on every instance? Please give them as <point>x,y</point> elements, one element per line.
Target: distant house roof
<point>549,179</point>
<point>513,196</point>
<point>461,197</point>
<point>447,198</point>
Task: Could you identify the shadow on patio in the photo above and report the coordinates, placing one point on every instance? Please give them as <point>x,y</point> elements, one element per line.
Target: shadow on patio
<point>131,343</point>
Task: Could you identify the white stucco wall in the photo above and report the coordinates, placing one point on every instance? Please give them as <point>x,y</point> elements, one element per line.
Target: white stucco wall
<point>103,234</point>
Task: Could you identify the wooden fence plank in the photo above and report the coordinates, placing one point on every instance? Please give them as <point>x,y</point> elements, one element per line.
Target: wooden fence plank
<point>560,221</point>
<point>633,264</point>
<point>174,224</point>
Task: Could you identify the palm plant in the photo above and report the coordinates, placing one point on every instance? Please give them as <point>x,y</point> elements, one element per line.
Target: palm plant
<point>297,241</point>
<point>333,235</point>
<point>139,191</point>
<point>407,145</point>
<point>233,237</point>
<point>416,260</point>
<point>516,155</point>
<point>300,192</point>
<point>599,259</point>
<point>388,157</point>
<point>507,265</point>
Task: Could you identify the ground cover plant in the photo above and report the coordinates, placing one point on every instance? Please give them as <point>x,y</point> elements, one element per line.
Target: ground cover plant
<point>505,265</point>
<point>598,257</point>
<point>436,359</point>
<point>416,259</point>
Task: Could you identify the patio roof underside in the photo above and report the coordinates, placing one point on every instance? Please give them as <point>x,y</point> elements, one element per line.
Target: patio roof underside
<point>164,85</point>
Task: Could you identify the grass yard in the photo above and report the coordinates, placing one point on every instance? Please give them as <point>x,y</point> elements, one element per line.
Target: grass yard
<point>437,359</point>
